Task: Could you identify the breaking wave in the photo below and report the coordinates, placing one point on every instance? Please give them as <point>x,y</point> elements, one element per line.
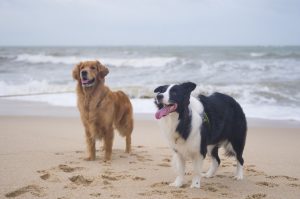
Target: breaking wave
<point>117,62</point>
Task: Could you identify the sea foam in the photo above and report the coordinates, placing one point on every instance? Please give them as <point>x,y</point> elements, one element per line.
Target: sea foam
<point>264,80</point>
<point>117,62</point>
<point>147,106</point>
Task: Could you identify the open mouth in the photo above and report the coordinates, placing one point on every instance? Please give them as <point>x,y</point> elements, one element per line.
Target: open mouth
<point>87,82</point>
<point>165,110</point>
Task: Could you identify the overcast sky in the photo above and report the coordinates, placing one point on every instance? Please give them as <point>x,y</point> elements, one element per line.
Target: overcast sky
<point>149,22</point>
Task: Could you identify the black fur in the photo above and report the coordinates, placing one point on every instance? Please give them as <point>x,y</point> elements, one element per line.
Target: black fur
<point>226,119</point>
<point>160,89</point>
<point>227,122</point>
<point>215,154</point>
<point>181,95</point>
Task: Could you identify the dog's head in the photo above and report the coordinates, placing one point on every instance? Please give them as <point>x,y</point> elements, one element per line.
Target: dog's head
<point>171,98</point>
<point>89,73</point>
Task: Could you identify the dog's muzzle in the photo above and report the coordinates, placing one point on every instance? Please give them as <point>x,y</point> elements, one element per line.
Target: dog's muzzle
<point>85,82</point>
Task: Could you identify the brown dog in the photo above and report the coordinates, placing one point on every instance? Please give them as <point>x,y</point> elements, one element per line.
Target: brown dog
<point>101,109</point>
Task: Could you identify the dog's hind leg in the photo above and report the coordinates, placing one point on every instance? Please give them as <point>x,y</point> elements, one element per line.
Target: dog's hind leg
<point>125,129</point>
<point>238,149</point>
<point>108,143</point>
<point>215,161</point>
<point>238,144</point>
<point>239,167</point>
<point>128,144</point>
<point>126,132</point>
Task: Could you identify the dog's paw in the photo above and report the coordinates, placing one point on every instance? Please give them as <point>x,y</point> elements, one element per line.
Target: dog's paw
<point>195,185</point>
<point>196,182</point>
<point>207,175</point>
<point>239,174</point>
<point>128,151</point>
<point>238,177</point>
<point>89,159</point>
<point>107,161</point>
<point>177,183</point>
<point>107,158</point>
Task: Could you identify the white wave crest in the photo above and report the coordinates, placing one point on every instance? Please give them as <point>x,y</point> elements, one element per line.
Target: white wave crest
<point>33,87</point>
<point>41,59</point>
<point>140,62</point>
<point>249,96</point>
<point>257,54</point>
<point>117,62</point>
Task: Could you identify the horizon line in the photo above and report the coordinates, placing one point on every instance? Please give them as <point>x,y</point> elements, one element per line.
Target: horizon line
<point>151,45</point>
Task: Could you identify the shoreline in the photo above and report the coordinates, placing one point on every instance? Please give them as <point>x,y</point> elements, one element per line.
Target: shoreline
<point>20,108</point>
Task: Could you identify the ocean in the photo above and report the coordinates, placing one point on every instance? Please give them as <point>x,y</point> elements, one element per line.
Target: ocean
<point>264,80</point>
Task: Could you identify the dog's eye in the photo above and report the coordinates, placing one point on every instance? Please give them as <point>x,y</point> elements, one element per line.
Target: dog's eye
<point>93,67</point>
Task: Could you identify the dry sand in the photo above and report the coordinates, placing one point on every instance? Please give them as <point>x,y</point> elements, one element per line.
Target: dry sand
<point>42,157</point>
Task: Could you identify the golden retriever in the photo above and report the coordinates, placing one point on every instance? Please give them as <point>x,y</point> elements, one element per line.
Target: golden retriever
<point>101,110</point>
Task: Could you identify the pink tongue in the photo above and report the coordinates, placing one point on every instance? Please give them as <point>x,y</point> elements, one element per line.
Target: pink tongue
<point>162,112</point>
<point>84,81</point>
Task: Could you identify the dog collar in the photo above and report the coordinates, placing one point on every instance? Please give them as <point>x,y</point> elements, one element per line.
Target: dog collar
<point>205,118</point>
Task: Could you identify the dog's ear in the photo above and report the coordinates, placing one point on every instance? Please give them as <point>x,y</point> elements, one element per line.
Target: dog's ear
<point>102,70</point>
<point>76,71</point>
<point>188,86</point>
<point>161,89</point>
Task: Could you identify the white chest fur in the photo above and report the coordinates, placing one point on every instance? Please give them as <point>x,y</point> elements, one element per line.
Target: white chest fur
<point>190,146</point>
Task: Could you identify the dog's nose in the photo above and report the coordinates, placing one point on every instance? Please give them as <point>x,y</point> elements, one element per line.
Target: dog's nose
<point>159,96</point>
<point>84,74</point>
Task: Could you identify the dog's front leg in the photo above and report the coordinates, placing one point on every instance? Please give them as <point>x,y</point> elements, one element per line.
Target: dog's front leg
<point>108,142</point>
<point>179,162</point>
<point>197,164</point>
<point>91,148</point>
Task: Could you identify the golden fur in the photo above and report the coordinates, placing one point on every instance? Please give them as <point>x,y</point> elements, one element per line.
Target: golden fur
<point>101,110</point>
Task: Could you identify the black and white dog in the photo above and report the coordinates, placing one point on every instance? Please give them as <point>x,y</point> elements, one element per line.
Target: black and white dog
<point>197,126</point>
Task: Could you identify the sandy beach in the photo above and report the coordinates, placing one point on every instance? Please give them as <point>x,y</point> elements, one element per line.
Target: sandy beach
<point>42,149</point>
<point>50,49</point>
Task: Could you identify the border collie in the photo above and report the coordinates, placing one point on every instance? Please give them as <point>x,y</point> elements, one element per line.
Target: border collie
<point>196,126</point>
